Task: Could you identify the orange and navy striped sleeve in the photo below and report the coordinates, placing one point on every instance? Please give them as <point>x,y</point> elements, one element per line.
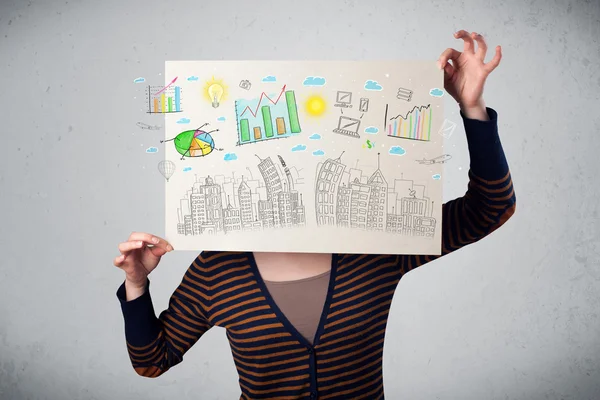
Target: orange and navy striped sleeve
<point>157,344</point>
<point>490,198</point>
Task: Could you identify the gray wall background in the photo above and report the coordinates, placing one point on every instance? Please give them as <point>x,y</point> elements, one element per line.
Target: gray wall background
<point>512,317</point>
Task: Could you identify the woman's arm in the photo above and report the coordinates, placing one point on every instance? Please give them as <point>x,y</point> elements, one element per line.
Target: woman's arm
<point>157,344</point>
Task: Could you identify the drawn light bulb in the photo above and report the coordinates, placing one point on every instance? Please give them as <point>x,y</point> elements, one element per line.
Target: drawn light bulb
<point>215,91</point>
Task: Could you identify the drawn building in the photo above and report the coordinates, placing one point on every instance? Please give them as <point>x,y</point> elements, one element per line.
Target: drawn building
<point>327,181</point>
<point>251,206</point>
<point>353,200</point>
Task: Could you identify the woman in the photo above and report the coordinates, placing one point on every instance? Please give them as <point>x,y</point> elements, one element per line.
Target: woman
<point>312,325</point>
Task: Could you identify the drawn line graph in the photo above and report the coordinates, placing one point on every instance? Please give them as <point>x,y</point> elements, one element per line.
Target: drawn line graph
<point>166,87</point>
<point>263,95</point>
<point>415,124</point>
<point>263,118</point>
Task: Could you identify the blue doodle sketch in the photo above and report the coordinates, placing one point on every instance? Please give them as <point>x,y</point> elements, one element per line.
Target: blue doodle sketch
<point>151,150</point>
<point>372,130</point>
<point>139,80</point>
<point>221,119</point>
<point>435,92</point>
<point>437,177</point>
<point>315,136</point>
<point>299,147</point>
<point>192,78</point>
<point>397,151</point>
<point>373,85</point>
<point>314,81</point>
<point>269,78</point>
<point>186,169</point>
<point>230,157</point>
<point>318,153</point>
<point>183,121</point>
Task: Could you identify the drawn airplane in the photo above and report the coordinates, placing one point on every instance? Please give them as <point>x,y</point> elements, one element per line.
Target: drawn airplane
<point>146,126</point>
<point>437,160</point>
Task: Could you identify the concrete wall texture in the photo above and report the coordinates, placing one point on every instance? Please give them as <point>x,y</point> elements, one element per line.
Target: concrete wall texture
<point>512,317</point>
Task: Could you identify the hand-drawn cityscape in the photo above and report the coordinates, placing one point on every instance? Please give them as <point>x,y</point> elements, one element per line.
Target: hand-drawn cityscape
<point>224,204</point>
<point>345,197</point>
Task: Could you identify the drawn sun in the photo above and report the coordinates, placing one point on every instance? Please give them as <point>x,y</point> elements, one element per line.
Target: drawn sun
<point>315,105</point>
<point>215,91</point>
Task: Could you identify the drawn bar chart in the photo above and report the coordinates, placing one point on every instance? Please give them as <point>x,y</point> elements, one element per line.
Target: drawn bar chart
<point>415,125</point>
<point>264,118</point>
<point>163,100</point>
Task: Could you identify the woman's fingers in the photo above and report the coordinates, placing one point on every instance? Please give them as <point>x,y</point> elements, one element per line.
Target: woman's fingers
<point>118,261</point>
<point>489,67</point>
<point>448,54</point>
<point>464,35</point>
<point>151,239</point>
<point>481,46</point>
<point>157,251</point>
<point>126,247</point>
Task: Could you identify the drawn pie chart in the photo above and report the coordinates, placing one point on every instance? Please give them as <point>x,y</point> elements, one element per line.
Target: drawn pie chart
<point>194,143</point>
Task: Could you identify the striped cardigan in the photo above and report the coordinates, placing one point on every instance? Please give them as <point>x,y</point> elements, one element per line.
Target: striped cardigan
<point>273,360</point>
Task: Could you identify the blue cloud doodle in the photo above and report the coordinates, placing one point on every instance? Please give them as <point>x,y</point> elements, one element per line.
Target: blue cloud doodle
<point>183,121</point>
<point>397,151</point>
<point>373,85</point>
<point>192,78</point>
<point>435,92</point>
<point>186,169</point>
<point>221,119</point>
<point>315,136</point>
<point>139,80</point>
<point>372,130</point>
<point>437,177</point>
<point>318,153</point>
<point>269,78</point>
<point>299,147</point>
<point>151,150</point>
<point>230,157</point>
<point>314,81</point>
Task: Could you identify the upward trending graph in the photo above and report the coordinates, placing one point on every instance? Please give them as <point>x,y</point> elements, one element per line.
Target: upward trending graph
<point>415,124</point>
<point>263,118</point>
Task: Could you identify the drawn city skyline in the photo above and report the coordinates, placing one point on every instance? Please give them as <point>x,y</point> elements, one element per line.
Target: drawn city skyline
<point>223,204</point>
<point>345,197</point>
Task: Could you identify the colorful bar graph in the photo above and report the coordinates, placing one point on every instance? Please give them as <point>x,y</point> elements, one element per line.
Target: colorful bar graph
<point>292,111</point>
<point>415,125</point>
<point>170,104</point>
<point>267,121</point>
<point>177,99</point>
<point>257,133</point>
<point>280,122</point>
<point>244,130</point>
<point>162,103</point>
<point>156,105</point>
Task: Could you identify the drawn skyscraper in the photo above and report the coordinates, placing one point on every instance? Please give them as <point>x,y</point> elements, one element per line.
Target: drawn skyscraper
<point>271,177</point>
<point>377,216</point>
<point>328,179</point>
<point>245,198</point>
<point>288,175</point>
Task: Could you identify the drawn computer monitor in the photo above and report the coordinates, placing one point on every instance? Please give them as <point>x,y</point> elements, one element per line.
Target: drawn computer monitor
<point>348,126</point>
<point>343,99</point>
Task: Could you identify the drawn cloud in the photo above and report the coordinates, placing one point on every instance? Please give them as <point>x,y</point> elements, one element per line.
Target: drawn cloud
<point>230,157</point>
<point>221,119</point>
<point>437,177</point>
<point>192,78</point>
<point>151,150</point>
<point>299,147</point>
<point>372,85</point>
<point>315,136</point>
<point>318,153</point>
<point>186,169</point>
<point>183,121</point>
<point>397,151</point>
<point>314,81</point>
<point>435,92</point>
<point>269,78</point>
<point>372,130</point>
<point>139,80</point>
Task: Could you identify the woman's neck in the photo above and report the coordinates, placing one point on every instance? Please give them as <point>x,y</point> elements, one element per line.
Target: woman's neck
<point>279,267</point>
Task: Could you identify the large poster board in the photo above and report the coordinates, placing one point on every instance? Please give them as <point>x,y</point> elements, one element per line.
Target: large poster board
<point>303,156</point>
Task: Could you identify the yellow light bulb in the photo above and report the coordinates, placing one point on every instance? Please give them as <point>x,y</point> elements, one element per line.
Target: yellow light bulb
<point>215,91</point>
